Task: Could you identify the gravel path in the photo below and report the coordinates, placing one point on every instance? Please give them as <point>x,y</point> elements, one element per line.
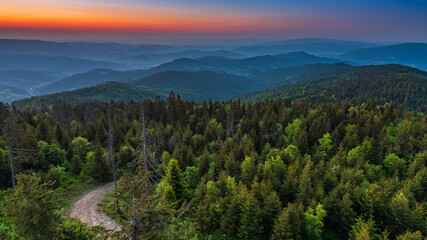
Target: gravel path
<point>86,211</point>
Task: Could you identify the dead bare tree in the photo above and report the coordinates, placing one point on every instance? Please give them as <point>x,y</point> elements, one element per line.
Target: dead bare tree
<point>9,129</point>
<point>145,156</point>
<point>110,145</point>
<point>15,152</point>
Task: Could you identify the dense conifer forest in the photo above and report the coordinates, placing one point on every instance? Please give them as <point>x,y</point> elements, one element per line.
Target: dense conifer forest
<point>217,170</point>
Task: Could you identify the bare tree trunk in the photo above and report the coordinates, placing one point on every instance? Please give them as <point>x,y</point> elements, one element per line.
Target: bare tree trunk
<point>144,144</point>
<point>11,151</point>
<point>12,167</point>
<point>158,140</point>
<point>145,151</point>
<point>111,146</point>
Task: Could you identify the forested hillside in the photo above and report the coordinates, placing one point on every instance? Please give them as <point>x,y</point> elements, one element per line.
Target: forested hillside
<point>109,91</point>
<point>223,170</point>
<point>197,86</point>
<point>383,83</point>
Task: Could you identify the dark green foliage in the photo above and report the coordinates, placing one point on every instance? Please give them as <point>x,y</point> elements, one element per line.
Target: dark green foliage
<point>289,224</point>
<point>176,179</point>
<point>383,83</point>
<point>32,209</point>
<point>197,86</point>
<point>110,91</point>
<point>274,169</point>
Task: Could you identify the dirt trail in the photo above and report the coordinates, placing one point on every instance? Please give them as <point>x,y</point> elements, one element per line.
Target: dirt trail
<point>86,211</point>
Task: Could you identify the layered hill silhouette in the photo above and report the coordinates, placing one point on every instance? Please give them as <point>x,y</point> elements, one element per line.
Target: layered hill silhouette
<point>312,82</point>
<point>242,67</point>
<point>409,54</point>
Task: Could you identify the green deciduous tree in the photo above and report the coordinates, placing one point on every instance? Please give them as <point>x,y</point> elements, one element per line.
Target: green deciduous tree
<point>314,222</point>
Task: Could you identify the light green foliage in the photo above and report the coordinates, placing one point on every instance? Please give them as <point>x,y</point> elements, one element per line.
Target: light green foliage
<point>391,133</point>
<point>292,153</point>
<point>274,170</point>
<point>354,156</point>
<point>212,192</point>
<point>325,145</point>
<point>362,230</point>
<point>393,163</point>
<point>80,146</point>
<point>314,222</point>
<point>292,130</point>
<point>168,194</point>
<point>52,154</point>
<point>411,236</point>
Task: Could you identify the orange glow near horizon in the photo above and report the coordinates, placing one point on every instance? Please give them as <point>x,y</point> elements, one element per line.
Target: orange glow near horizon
<point>113,19</point>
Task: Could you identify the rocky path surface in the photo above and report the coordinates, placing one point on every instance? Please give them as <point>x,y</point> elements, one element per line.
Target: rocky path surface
<point>86,209</point>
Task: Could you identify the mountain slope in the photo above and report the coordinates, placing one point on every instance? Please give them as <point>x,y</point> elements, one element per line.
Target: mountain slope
<point>280,76</point>
<point>211,63</point>
<point>382,83</point>
<point>198,86</point>
<point>90,78</point>
<point>242,66</point>
<point>410,54</point>
<point>109,91</point>
<point>9,94</point>
<point>159,58</point>
<point>27,79</point>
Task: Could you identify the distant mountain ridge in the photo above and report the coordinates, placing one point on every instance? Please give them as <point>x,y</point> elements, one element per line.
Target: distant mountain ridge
<point>211,63</point>
<point>310,45</point>
<point>90,78</point>
<point>243,66</point>
<point>109,91</point>
<point>196,86</point>
<point>409,54</point>
<point>312,82</point>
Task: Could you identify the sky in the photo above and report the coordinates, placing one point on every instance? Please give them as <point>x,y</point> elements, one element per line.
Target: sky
<point>133,20</point>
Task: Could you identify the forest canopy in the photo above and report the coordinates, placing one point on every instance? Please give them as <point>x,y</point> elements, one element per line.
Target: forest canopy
<point>220,170</point>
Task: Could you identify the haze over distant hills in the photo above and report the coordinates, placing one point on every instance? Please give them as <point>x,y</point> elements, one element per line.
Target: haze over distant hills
<point>410,54</point>
<point>312,82</point>
<point>31,67</point>
<point>233,66</point>
<point>53,64</point>
<point>319,46</point>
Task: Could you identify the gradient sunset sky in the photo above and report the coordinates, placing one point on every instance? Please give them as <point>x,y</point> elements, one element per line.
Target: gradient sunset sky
<point>121,20</point>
